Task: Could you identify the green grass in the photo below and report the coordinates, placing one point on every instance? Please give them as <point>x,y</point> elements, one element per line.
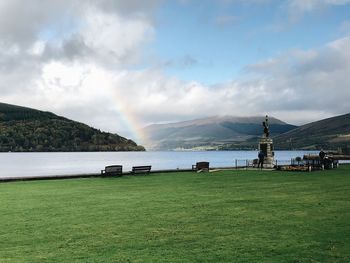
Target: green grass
<point>229,216</point>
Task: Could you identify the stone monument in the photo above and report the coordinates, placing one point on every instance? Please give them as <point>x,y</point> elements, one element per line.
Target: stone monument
<point>266,145</point>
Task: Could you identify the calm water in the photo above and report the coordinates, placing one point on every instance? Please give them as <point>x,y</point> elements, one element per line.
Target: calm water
<point>42,164</point>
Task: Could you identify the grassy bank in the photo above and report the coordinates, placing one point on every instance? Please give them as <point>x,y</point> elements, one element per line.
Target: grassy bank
<point>232,216</point>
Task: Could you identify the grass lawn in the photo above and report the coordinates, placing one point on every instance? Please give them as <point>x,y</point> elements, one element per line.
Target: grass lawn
<point>228,216</point>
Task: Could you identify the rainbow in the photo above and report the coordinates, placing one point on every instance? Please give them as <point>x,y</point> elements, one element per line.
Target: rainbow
<point>130,121</point>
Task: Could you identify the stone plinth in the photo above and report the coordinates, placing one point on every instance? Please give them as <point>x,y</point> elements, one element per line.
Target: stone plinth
<point>266,146</point>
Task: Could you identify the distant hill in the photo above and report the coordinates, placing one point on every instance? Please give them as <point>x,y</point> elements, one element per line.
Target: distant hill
<point>329,133</point>
<point>216,133</point>
<point>26,129</point>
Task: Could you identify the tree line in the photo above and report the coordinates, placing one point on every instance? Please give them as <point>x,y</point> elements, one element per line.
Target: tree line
<point>52,134</point>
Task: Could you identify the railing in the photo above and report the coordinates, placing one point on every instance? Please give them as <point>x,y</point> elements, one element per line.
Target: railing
<point>254,163</point>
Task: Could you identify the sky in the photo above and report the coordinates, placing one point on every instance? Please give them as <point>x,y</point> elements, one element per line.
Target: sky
<point>119,65</point>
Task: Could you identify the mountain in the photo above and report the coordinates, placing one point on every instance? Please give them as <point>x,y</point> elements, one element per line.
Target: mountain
<point>219,132</point>
<point>26,129</point>
<point>331,133</point>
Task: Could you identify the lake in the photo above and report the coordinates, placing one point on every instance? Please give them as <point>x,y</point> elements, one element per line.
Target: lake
<point>44,164</point>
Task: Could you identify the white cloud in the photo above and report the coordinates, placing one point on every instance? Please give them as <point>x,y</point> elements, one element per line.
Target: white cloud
<point>115,39</point>
<point>311,84</point>
<point>313,81</point>
<point>298,8</point>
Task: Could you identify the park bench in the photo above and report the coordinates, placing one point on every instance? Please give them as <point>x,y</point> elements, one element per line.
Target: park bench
<point>112,170</point>
<point>141,169</point>
<point>201,166</point>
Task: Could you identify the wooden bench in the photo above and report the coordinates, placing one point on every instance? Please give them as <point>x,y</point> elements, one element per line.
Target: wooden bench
<point>200,166</point>
<point>141,169</point>
<point>112,170</point>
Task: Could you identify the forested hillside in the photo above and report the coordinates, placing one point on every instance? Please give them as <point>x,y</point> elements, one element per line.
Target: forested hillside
<point>331,133</point>
<point>25,129</point>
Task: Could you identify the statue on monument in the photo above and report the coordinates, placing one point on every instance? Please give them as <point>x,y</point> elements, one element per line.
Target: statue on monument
<point>266,145</point>
<point>266,127</point>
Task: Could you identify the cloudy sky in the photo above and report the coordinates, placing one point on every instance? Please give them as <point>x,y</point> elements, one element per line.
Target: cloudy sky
<point>121,64</point>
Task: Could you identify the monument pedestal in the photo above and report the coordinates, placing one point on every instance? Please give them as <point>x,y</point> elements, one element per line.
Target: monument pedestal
<point>266,146</point>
